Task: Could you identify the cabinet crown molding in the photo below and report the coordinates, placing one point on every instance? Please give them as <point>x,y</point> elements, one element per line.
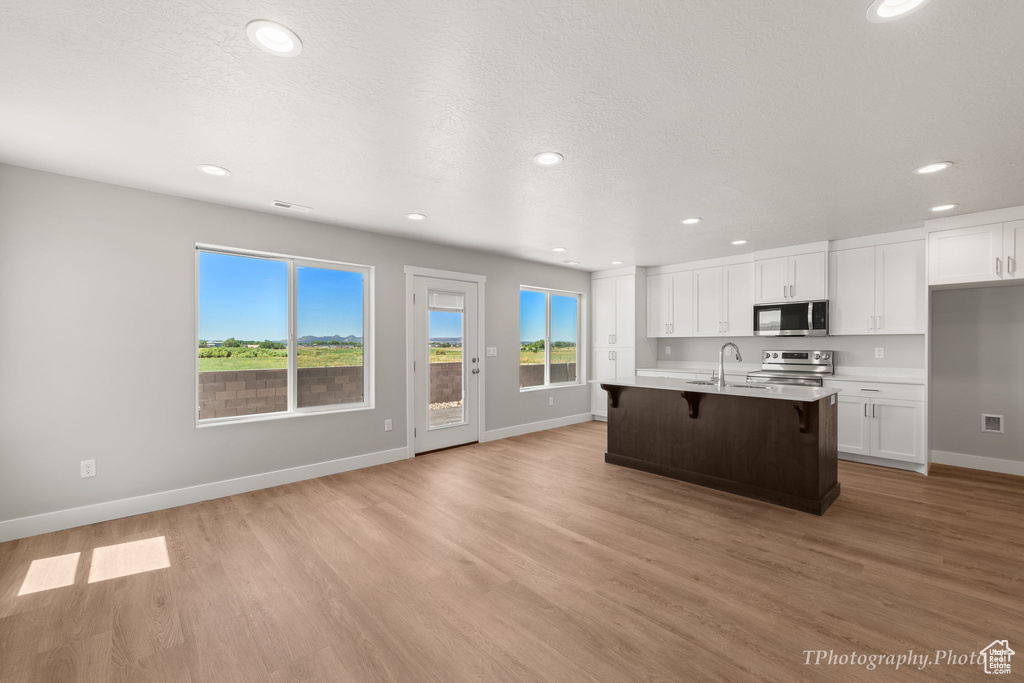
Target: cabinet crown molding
<point>968,220</point>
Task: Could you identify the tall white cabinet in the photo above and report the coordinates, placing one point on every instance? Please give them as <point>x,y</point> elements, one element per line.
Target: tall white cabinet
<point>619,340</point>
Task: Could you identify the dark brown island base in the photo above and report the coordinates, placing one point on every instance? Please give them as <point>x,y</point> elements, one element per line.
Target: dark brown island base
<point>775,444</point>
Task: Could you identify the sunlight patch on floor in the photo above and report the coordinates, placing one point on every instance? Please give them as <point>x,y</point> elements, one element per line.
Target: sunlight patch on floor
<point>124,559</point>
<point>50,572</point>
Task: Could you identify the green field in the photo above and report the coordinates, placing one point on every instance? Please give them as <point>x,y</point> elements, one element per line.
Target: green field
<point>275,359</point>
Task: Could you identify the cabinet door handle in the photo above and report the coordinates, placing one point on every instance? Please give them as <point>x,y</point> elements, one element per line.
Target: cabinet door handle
<point>873,410</point>
<point>999,266</point>
<point>666,328</point>
<point>865,409</point>
<point>1011,265</point>
<point>784,290</point>
<point>609,339</point>
<point>792,291</point>
<point>671,328</point>
<point>878,322</point>
<point>615,356</point>
<point>871,322</point>
<point>609,355</point>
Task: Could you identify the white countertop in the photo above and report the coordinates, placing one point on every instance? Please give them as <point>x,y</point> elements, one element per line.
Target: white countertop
<point>786,393</point>
<point>842,374</point>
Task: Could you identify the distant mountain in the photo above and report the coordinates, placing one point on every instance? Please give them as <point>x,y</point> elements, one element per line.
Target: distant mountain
<point>450,340</point>
<point>333,338</point>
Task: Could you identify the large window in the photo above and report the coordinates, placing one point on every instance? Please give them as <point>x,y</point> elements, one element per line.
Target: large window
<point>277,334</point>
<point>549,333</point>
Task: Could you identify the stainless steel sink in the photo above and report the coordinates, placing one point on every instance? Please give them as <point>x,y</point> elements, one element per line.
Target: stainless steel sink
<point>703,383</point>
<point>748,386</point>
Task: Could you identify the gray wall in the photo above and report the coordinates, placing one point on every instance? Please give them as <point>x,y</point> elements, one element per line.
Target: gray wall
<point>87,270</point>
<point>978,367</point>
<point>901,351</point>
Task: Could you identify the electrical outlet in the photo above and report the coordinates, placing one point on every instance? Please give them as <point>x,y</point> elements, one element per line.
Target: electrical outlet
<point>387,425</point>
<point>88,468</point>
<point>551,400</point>
<point>879,352</point>
<point>668,350</point>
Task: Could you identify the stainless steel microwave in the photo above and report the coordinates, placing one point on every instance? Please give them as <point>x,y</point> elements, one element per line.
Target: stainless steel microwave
<point>791,319</point>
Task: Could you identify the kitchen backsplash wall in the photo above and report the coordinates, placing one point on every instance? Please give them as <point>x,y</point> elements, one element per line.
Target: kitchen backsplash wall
<point>978,367</point>
<point>901,351</point>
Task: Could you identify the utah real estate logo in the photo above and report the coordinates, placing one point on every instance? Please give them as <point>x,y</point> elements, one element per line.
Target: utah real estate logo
<point>996,657</point>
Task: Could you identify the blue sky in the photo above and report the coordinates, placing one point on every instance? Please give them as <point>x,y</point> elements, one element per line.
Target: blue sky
<point>247,298</point>
<point>445,324</point>
<point>531,316</point>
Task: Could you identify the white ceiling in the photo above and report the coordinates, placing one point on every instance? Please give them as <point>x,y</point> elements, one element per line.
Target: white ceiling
<point>780,122</point>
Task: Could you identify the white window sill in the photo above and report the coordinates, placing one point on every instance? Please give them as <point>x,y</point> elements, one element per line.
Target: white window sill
<point>283,415</point>
<point>561,385</point>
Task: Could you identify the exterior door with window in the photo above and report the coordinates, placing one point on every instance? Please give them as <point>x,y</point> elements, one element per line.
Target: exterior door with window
<point>447,363</point>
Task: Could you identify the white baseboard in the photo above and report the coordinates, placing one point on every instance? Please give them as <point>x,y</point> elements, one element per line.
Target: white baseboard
<point>530,427</point>
<point>600,418</point>
<point>126,507</point>
<point>919,467</point>
<point>979,462</point>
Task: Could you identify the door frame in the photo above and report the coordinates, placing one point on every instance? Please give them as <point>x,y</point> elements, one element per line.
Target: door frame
<point>411,272</point>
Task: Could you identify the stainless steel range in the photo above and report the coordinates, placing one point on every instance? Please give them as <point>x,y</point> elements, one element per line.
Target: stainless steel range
<point>802,368</point>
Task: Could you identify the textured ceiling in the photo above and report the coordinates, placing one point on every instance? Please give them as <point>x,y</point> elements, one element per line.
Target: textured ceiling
<point>780,122</point>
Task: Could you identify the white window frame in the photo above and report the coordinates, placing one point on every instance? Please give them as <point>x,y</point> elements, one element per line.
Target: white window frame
<point>293,263</point>
<point>580,329</point>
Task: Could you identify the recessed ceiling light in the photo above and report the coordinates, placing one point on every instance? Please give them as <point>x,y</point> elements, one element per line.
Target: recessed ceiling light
<point>210,169</point>
<point>416,216</point>
<point>548,158</point>
<point>933,168</point>
<point>944,207</point>
<point>889,10</point>
<point>690,221</point>
<point>616,263</point>
<point>559,249</point>
<point>571,263</point>
<point>737,243</point>
<point>273,38</point>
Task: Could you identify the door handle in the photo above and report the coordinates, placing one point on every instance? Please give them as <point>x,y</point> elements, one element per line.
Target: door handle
<point>792,291</point>
<point>609,339</point>
<point>865,409</point>
<point>725,326</point>
<point>614,339</point>
<point>475,360</point>
<point>1011,265</point>
<point>476,371</point>
<point>666,328</point>
<point>873,410</point>
<point>784,289</point>
<point>871,323</point>
<point>878,322</point>
<point>615,355</point>
<point>999,266</point>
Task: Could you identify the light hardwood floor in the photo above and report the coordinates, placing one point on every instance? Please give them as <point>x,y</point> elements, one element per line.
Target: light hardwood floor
<point>530,559</point>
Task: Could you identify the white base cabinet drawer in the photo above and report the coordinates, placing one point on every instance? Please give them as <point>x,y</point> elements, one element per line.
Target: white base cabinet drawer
<point>869,390</point>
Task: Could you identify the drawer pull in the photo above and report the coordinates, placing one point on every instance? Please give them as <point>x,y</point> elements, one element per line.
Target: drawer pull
<point>870,389</point>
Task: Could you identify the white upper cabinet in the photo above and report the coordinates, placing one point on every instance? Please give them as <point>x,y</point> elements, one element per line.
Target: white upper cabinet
<point>681,324</point>
<point>790,278</point>
<point>901,293</point>
<point>603,294</point>
<point>738,300</point>
<point>771,280</point>
<point>670,305</point>
<point>708,302</point>
<point>878,290</point>
<point>972,254</point>
<point>1013,248</point>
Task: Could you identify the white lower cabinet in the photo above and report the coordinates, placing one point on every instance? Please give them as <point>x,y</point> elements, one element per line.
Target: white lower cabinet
<point>890,428</point>
<point>609,364</point>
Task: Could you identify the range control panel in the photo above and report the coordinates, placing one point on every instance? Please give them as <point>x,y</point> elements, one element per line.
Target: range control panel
<point>798,357</point>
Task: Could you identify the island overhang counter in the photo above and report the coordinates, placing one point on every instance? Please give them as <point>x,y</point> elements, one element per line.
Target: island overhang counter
<point>777,444</point>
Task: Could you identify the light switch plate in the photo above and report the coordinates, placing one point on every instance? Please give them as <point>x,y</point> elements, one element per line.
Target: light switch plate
<point>668,350</point>
<point>492,351</point>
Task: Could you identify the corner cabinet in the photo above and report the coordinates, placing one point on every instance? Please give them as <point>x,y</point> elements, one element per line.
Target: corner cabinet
<point>790,278</point>
<point>619,324</point>
<point>878,290</point>
<point>982,253</point>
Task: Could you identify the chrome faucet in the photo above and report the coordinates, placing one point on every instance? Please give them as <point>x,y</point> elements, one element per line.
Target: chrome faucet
<point>721,362</point>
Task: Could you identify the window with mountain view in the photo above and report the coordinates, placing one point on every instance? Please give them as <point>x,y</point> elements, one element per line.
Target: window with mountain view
<point>549,332</point>
<point>279,334</point>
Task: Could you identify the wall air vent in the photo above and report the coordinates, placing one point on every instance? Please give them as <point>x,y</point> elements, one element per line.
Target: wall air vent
<point>292,207</point>
<point>992,424</point>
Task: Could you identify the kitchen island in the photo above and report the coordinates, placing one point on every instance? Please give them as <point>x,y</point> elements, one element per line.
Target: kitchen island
<point>777,444</point>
